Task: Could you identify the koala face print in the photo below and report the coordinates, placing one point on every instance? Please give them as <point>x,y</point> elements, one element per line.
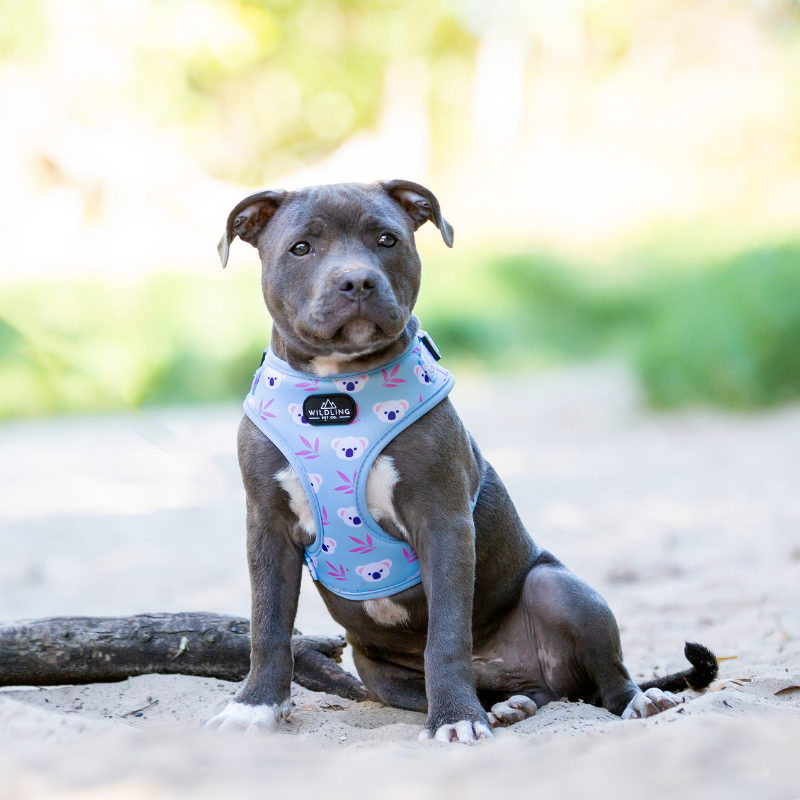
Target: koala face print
<point>390,410</point>
<point>350,447</point>
<point>316,480</point>
<point>296,413</point>
<point>354,384</point>
<point>328,546</point>
<point>350,516</point>
<point>376,571</point>
<point>271,377</point>
<point>424,373</point>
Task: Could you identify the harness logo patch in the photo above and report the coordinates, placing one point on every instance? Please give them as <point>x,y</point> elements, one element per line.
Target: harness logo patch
<point>329,409</point>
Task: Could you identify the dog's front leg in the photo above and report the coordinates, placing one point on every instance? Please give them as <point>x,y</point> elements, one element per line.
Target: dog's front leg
<point>447,564</point>
<point>275,562</point>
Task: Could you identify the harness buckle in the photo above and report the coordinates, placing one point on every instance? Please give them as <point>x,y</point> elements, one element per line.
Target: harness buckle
<point>425,338</point>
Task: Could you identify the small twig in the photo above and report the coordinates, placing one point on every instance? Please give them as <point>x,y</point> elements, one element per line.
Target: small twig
<point>143,708</point>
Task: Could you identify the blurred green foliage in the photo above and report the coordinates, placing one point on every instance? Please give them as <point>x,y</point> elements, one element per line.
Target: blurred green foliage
<point>88,344</point>
<point>23,29</point>
<point>727,334</point>
<point>287,80</point>
<point>257,88</point>
<point>723,333</point>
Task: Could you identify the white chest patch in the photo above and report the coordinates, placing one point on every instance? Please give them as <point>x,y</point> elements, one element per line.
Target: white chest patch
<point>381,481</point>
<point>386,612</point>
<point>298,502</point>
<point>327,365</point>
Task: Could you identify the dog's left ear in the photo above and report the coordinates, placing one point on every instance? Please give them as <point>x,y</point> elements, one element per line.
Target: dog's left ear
<point>420,204</point>
<point>248,219</point>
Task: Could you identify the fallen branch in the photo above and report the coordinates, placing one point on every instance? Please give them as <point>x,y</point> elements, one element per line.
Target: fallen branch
<point>70,650</point>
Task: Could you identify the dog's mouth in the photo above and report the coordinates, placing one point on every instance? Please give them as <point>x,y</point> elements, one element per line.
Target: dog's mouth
<point>359,335</point>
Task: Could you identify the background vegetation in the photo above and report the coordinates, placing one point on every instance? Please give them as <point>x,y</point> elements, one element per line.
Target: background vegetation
<point>702,300</point>
<point>724,333</point>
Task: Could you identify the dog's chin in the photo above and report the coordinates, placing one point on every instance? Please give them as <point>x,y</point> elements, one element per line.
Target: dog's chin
<point>357,337</point>
<point>361,334</point>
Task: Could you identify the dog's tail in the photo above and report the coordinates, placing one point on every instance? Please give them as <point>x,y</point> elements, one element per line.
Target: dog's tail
<point>704,670</point>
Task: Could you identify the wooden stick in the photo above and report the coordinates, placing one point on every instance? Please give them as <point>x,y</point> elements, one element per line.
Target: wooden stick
<point>70,650</point>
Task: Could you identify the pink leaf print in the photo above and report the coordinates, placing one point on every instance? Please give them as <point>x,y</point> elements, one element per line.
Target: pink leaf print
<point>349,485</point>
<point>325,516</point>
<point>262,409</point>
<point>415,350</point>
<point>363,547</point>
<point>313,450</point>
<point>410,557</point>
<point>389,379</point>
<point>337,574</point>
<point>308,386</point>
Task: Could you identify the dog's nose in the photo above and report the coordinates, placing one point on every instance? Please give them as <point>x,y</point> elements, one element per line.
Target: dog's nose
<point>356,284</point>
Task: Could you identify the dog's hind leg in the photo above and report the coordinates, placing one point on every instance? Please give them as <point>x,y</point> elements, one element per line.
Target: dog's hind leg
<point>392,684</point>
<point>579,648</point>
<point>561,640</point>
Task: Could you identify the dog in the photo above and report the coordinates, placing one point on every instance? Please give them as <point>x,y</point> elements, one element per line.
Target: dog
<point>493,626</point>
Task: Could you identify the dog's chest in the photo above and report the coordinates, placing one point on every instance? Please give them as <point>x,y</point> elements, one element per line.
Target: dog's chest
<point>382,479</point>
<point>340,483</point>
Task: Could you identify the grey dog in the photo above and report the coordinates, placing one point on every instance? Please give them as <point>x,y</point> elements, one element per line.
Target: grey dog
<point>498,626</point>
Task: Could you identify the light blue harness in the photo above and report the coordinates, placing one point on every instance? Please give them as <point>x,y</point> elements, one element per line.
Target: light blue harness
<point>331,430</point>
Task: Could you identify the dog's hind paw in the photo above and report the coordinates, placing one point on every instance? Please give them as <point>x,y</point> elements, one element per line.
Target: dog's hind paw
<point>249,719</point>
<point>511,711</point>
<point>649,703</point>
<point>464,732</point>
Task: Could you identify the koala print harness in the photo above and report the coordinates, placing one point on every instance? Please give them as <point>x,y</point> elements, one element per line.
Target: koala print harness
<point>331,430</point>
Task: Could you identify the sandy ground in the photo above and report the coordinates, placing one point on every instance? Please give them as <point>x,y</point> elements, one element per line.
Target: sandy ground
<point>689,524</point>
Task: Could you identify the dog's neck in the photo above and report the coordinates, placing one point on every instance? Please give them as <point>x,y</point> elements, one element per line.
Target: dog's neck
<point>341,363</point>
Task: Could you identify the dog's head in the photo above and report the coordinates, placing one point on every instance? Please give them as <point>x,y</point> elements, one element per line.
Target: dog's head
<point>340,269</point>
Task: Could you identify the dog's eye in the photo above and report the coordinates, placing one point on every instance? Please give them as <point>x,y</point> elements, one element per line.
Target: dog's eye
<point>300,249</point>
<point>387,240</point>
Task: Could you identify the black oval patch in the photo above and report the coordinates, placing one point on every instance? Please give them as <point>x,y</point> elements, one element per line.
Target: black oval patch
<point>329,409</point>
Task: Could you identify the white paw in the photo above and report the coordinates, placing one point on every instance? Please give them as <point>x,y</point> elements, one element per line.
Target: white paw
<point>250,719</point>
<point>464,732</point>
<point>515,709</point>
<point>649,703</point>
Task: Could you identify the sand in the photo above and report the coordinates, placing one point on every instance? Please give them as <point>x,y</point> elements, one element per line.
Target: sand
<point>688,523</point>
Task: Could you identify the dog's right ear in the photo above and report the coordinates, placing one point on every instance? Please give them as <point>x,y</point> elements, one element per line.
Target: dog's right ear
<point>248,219</point>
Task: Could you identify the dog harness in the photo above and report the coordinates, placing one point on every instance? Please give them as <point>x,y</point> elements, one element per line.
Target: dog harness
<point>331,430</point>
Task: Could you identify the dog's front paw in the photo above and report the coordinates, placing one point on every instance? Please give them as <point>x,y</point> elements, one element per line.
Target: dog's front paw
<point>463,731</point>
<point>649,703</point>
<point>250,719</point>
<point>463,722</point>
<point>513,710</point>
